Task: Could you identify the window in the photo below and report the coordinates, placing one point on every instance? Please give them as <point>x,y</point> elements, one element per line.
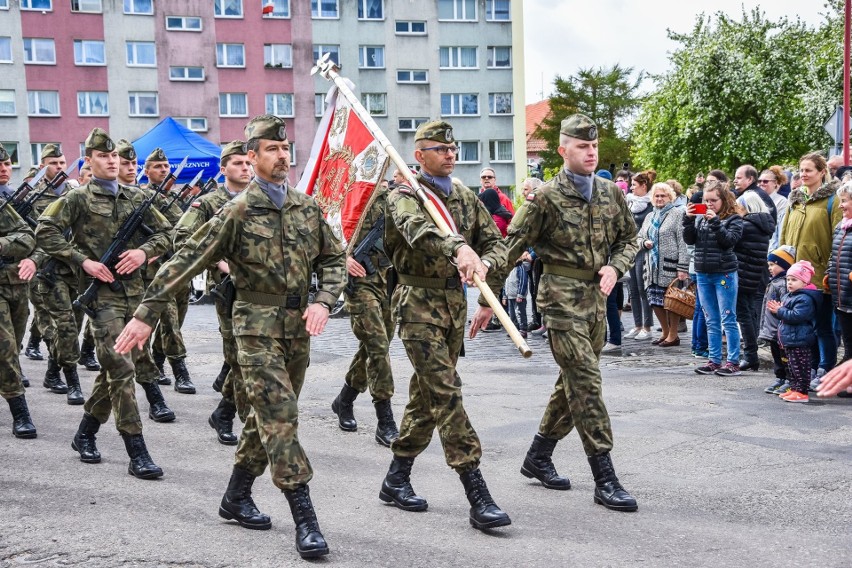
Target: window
<point>412,76</point>
<point>43,103</point>
<point>230,55</point>
<point>411,124</point>
<point>458,58</point>
<point>186,73</point>
<point>144,104</point>
<point>279,104</point>
<point>500,150</point>
<point>139,7</point>
<point>324,9</point>
<point>497,10</point>
<point>37,5</point>
<point>141,54</point>
<point>7,103</point>
<point>278,55</point>
<point>93,6</point>
<point>280,8</point>
<point>405,27</point>
<point>39,51</point>
<point>194,123</point>
<point>371,56</point>
<point>499,57</point>
<point>457,104</point>
<point>333,50</point>
<point>457,10</point>
<point>183,23</point>
<point>292,152</point>
<point>12,149</point>
<point>233,104</point>
<point>92,103</point>
<point>89,52</point>
<point>468,151</point>
<point>4,4</point>
<point>319,104</point>
<point>5,50</point>
<point>228,8</point>
<point>375,103</point>
<point>500,103</point>
<point>371,10</point>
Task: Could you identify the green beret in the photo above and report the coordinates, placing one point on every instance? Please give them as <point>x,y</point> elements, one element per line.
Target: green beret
<point>4,154</point>
<point>50,151</point>
<point>437,130</point>
<point>266,127</point>
<point>126,150</point>
<point>99,140</point>
<point>157,156</point>
<point>579,126</point>
<point>235,147</point>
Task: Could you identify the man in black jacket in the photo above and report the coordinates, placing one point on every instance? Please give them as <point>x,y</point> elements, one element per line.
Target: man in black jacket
<point>745,179</point>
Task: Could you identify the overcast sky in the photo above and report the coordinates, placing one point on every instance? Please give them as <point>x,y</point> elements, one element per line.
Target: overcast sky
<point>562,36</point>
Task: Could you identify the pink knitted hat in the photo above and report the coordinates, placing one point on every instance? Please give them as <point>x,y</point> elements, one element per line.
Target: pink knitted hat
<point>803,270</point>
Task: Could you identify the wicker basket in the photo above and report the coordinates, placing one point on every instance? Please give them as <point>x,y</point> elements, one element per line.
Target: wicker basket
<point>680,301</point>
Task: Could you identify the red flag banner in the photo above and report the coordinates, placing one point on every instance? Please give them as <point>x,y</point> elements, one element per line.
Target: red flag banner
<point>345,165</point>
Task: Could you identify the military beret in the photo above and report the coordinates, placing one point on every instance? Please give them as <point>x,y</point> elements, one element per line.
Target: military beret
<point>437,130</point>
<point>31,173</point>
<point>50,151</point>
<point>99,140</point>
<point>266,127</point>
<point>579,126</point>
<point>157,155</point>
<point>4,155</point>
<point>232,148</point>
<point>126,149</point>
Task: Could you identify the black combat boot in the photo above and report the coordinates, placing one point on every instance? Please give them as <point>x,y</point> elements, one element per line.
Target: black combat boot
<point>608,491</point>
<point>84,439</point>
<point>33,351</point>
<point>309,540</point>
<point>538,464</point>
<point>397,489</point>
<point>75,393</point>
<point>141,465</point>
<point>52,380</point>
<point>22,424</point>
<point>158,411</point>
<point>342,406</point>
<point>238,505</point>
<point>87,356</point>
<point>220,379</point>
<point>386,431</point>
<point>25,381</point>
<point>484,512</point>
<point>222,420</point>
<point>183,384</point>
<point>160,362</point>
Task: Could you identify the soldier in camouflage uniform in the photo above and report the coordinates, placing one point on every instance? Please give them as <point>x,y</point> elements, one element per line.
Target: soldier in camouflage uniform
<point>16,242</point>
<point>432,314</point>
<point>581,228</point>
<point>372,323</point>
<point>236,168</point>
<point>95,213</point>
<point>273,239</point>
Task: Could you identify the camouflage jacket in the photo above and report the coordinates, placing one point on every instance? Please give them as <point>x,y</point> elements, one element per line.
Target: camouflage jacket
<point>172,213</point>
<point>567,231</point>
<point>373,286</point>
<point>94,216</point>
<point>201,211</point>
<point>416,248</point>
<point>17,240</point>
<point>39,205</point>
<point>271,254</point>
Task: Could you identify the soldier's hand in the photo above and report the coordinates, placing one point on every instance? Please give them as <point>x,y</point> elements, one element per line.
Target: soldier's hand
<point>469,264</point>
<point>97,270</point>
<point>480,319</point>
<point>130,260</point>
<point>316,316</point>
<point>134,334</point>
<point>608,279</point>
<point>836,380</point>
<point>223,267</point>
<point>26,269</point>
<point>354,268</point>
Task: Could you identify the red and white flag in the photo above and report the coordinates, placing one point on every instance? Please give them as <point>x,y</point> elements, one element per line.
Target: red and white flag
<point>345,165</point>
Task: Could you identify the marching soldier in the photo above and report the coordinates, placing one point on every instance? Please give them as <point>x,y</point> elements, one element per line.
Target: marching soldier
<point>273,239</point>
<point>95,213</point>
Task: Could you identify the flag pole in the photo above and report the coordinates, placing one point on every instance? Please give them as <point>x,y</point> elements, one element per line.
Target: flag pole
<point>327,69</point>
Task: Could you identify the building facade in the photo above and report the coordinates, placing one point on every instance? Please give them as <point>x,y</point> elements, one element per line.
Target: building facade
<point>123,65</point>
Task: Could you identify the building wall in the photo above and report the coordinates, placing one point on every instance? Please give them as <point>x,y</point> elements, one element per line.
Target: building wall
<point>15,129</point>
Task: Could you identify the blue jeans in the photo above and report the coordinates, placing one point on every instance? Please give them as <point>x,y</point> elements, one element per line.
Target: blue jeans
<point>718,293</point>
<point>826,339</point>
<point>699,324</point>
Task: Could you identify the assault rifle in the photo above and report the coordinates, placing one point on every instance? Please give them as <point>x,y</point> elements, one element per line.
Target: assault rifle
<point>209,186</point>
<point>181,194</point>
<point>363,251</point>
<point>224,293</point>
<point>126,232</point>
<point>25,206</point>
<point>23,189</point>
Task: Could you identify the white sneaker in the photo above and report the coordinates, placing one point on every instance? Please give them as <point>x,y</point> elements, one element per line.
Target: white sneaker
<point>632,333</point>
<point>610,349</point>
<point>643,336</point>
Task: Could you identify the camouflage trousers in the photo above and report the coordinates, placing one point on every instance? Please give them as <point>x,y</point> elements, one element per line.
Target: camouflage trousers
<point>273,370</point>
<point>168,339</point>
<point>14,310</point>
<point>435,397</point>
<point>63,322</point>
<point>233,389</point>
<point>41,318</point>
<point>577,398</point>
<point>114,388</point>
<point>373,325</point>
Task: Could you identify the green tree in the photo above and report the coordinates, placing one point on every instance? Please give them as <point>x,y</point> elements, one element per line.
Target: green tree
<point>608,96</point>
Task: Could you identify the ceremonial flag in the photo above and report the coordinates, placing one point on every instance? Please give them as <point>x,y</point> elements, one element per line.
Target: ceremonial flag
<point>345,165</point>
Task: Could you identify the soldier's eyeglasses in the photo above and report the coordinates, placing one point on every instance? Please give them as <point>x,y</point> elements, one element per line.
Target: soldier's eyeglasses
<point>443,150</point>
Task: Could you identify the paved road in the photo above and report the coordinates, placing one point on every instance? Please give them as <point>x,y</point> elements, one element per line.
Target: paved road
<point>725,475</point>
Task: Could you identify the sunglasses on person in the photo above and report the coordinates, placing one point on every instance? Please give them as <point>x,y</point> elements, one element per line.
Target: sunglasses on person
<point>486,177</point>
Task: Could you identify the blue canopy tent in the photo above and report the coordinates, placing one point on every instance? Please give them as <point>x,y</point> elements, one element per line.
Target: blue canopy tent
<point>178,142</point>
